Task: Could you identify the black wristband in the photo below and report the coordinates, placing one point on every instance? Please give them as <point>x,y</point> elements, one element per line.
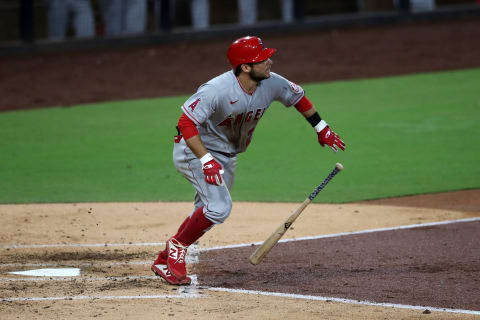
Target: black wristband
<point>314,119</point>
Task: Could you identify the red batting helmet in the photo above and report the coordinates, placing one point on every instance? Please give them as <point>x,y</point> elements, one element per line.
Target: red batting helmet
<point>248,50</point>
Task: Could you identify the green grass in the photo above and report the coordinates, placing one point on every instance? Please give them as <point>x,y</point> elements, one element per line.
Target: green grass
<point>404,135</point>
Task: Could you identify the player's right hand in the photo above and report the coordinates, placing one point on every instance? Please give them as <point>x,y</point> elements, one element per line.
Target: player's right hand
<point>212,171</point>
<point>331,139</point>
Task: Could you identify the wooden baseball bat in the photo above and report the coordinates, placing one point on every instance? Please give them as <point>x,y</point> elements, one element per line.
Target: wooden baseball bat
<point>272,240</point>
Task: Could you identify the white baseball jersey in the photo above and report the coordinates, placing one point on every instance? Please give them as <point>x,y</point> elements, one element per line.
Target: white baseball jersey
<point>226,115</point>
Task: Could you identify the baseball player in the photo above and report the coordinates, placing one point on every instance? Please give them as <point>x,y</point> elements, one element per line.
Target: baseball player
<point>217,123</point>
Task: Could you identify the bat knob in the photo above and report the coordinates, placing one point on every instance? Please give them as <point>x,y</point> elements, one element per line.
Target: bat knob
<point>339,166</point>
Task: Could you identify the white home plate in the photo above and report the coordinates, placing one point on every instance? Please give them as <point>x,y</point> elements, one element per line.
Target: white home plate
<point>57,272</point>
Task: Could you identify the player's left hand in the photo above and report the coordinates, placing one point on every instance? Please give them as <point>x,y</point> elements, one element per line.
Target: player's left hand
<point>331,139</point>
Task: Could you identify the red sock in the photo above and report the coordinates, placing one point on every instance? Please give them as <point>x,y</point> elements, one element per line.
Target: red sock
<point>182,226</point>
<point>194,229</point>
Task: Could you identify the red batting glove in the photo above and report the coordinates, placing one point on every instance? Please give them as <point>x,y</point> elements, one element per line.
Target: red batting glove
<point>331,139</point>
<point>212,170</point>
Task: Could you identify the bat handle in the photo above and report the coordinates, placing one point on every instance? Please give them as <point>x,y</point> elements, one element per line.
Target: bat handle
<point>337,169</point>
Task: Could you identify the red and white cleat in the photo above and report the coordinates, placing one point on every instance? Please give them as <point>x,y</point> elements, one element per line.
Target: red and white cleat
<point>176,258</point>
<point>161,270</point>
<point>161,258</point>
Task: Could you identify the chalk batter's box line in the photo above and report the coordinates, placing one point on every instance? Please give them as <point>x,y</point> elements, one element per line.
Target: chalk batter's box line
<point>342,300</point>
<point>192,292</point>
<point>86,245</point>
<point>192,253</point>
<point>79,279</point>
<point>190,260</point>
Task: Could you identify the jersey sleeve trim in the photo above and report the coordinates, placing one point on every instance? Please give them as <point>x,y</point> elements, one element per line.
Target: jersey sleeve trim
<point>187,127</point>
<point>298,100</point>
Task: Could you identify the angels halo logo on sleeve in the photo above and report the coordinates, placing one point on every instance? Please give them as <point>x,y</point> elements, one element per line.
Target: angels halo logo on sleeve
<point>295,88</point>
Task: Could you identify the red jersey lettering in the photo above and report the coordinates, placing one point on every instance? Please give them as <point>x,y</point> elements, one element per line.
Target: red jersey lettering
<point>258,114</point>
<point>239,118</point>
<point>226,123</point>
<point>248,117</point>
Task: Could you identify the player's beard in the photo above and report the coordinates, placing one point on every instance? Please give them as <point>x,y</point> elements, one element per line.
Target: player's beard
<point>257,77</point>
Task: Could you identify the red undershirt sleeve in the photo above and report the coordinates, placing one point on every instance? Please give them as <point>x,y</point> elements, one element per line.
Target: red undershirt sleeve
<point>304,104</point>
<point>187,127</point>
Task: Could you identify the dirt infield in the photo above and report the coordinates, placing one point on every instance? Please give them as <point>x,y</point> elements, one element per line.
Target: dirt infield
<point>113,245</point>
<point>420,266</point>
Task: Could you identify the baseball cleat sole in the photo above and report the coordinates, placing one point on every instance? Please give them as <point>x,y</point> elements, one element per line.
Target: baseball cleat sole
<point>161,270</point>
